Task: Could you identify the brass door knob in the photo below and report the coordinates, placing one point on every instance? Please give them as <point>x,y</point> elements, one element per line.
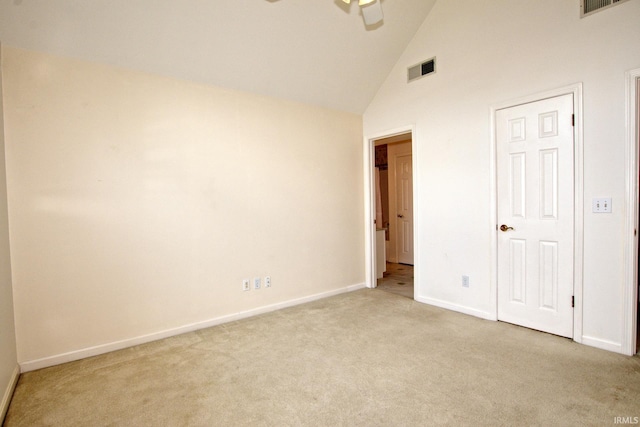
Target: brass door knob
<point>504,227</point>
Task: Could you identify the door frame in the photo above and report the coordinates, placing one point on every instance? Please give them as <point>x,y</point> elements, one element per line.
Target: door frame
<point>578,196</point>
<point>370,200</point>
<point>630,291</point>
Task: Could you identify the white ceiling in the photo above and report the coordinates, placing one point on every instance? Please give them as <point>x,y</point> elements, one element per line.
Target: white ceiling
<point>313,51</point>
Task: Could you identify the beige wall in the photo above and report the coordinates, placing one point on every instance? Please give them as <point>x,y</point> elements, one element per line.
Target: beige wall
<point>8,361</point>
<point>490,52</point>
<point>139,203</point>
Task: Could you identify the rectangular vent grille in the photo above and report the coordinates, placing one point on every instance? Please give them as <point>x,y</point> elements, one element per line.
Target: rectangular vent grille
<point>422,69</point>
<point>587,7</point>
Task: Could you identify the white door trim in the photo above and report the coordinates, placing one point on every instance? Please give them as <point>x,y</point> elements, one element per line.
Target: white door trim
<point>578,204</point>
<point>370,208</point>
<point>630,291</point>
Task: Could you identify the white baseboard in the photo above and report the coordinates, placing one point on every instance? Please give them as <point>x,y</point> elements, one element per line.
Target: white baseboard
<point>586,340</point>
<point>602,344</point>
<point>455,307</point>
<point>8,393</point>
<point>71,356</point>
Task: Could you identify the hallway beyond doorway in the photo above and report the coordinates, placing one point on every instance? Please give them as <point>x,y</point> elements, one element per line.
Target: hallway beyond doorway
<point>398,279</point>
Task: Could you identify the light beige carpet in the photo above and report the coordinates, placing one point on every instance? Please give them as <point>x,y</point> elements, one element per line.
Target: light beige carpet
<point>368,358</point>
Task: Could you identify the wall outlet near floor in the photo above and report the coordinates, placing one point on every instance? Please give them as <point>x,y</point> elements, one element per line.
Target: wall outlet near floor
<point>245,285</point>
<point>267,281</point>
<point>256,283</point>
<point>465,281</point>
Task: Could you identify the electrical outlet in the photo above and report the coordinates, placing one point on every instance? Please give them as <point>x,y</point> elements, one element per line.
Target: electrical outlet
<point>267,282</point>
<point>465,281</point>
<point>256,283</point>
<point>245,285</point>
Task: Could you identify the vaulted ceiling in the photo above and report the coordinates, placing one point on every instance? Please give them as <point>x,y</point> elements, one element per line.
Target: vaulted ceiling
<point>312,51</point>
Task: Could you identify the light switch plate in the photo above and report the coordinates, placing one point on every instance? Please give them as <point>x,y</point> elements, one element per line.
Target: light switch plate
<point>602,205</point>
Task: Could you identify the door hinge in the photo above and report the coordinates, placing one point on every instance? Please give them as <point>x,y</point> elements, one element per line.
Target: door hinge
<point>573,120</point>
<point>573,301</point>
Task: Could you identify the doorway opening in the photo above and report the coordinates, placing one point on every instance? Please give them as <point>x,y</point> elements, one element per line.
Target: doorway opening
<point>397,279</point>
<point>635,134</point>
<point>393,213</point>
<point>637,144</point>
<point>631,294</point>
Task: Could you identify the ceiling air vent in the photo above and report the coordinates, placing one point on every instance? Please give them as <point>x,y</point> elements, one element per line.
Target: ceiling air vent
<point>420,70</point>
<point>587,7</point>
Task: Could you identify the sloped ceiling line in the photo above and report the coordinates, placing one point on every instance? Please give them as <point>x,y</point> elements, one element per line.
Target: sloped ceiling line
<point>304,50</point>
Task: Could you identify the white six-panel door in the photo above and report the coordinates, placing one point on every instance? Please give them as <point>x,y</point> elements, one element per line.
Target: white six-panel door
<point>535,147</point>
<point>404,203</point>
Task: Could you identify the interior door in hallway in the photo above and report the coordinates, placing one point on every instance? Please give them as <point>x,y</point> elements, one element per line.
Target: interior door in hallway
<point>535,184</point>
<point>404,204</point>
